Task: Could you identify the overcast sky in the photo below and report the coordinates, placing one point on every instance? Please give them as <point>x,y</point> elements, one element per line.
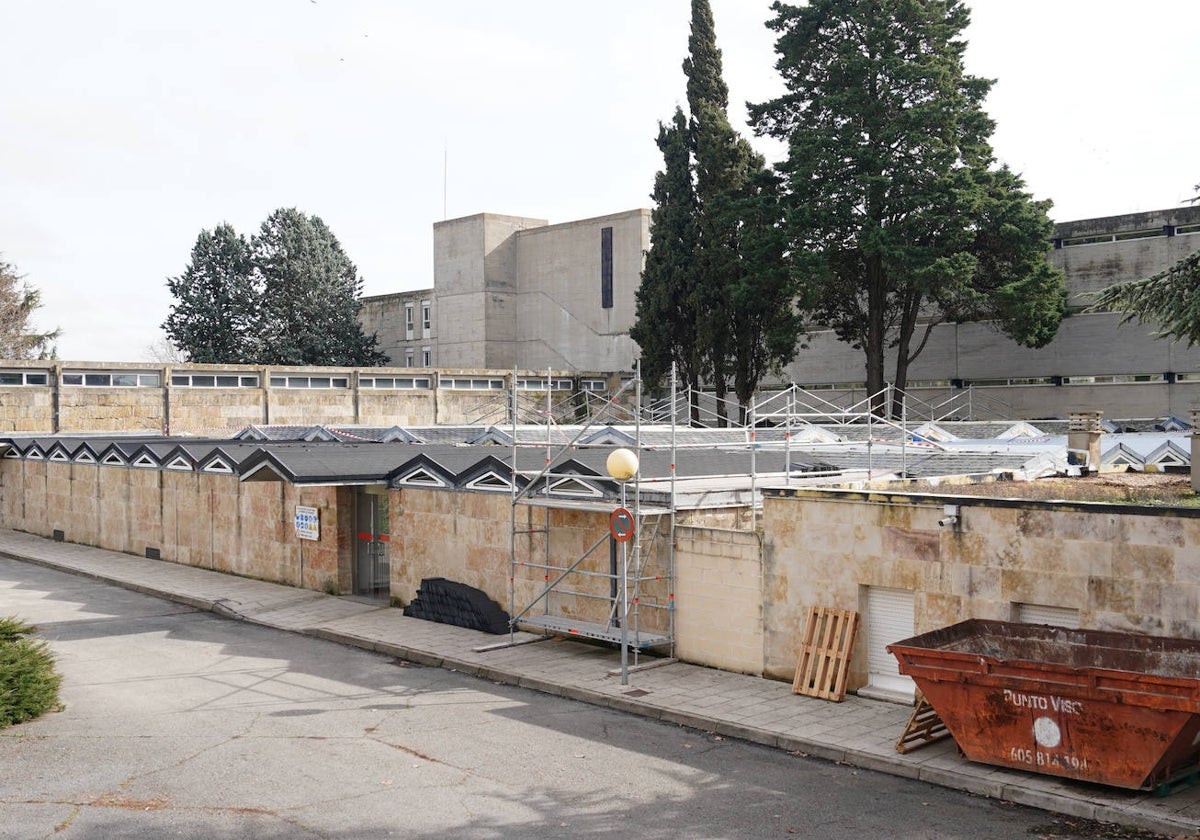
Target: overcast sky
<point>131,125</point>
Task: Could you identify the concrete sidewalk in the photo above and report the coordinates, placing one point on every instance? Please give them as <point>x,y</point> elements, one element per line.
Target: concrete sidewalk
<point>857,731</point>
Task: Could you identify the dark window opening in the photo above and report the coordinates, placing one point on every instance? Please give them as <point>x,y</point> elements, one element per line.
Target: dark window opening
<point>606,268</point>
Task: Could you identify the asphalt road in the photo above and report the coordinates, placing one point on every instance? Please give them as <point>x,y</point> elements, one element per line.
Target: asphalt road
<point>178,723</point>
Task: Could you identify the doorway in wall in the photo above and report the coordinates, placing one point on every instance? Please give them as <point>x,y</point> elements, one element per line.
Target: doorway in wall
<point>372,567</point>
<point>890,618</point>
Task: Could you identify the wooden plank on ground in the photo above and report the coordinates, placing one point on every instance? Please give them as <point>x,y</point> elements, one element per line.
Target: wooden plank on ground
<point>825,653</point>
<point>924,727</point>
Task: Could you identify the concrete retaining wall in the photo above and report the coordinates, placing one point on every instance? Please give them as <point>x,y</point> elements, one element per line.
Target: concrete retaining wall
<point>57,408</point>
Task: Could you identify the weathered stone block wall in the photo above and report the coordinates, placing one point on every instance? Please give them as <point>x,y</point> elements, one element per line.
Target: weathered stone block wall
<point>196,519</point>
<point>719,598</point>
<point>458,536</point>
<point>465,537</point>
<point>463,407</point>
<point>311,407</point>
<point>111,409</point>
<point>216,411</point>
<point>1124,568</point>
<point>396,408</point>
<point>25,409</point>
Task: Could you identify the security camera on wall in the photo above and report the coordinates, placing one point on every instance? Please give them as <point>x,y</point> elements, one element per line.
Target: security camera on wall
<point>950,516</point>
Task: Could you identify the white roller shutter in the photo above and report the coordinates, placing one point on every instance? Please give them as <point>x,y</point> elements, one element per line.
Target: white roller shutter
<point>890,618</point>
<point>1043,614</point>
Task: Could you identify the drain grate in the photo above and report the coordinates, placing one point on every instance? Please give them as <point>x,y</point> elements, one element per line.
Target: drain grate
<point>637,692</point>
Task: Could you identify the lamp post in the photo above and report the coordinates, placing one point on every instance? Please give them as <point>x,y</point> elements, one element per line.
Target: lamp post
<point>622,465</point>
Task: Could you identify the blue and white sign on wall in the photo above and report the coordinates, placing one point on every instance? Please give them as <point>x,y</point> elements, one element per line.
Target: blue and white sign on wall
<point>308,523</point>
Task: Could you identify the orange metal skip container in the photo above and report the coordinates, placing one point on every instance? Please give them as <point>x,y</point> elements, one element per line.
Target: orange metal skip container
<point>1119,709</point>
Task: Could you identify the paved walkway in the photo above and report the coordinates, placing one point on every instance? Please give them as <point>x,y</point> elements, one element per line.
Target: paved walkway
<point>857,731</point>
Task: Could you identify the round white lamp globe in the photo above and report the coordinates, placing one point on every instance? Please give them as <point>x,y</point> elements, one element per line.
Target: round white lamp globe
<point>622,464</point>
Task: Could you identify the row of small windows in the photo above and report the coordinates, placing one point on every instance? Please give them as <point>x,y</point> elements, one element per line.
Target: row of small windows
<point>23,378</point>
<point>310,382</point>
<point>540,385</point>
<point>206,380</point>
<point>1008,382</point>
<point>403,383</point>
<point>1148,233</point>
<point>111,379</point>
<point>153,380</point>
<point>469,383</point>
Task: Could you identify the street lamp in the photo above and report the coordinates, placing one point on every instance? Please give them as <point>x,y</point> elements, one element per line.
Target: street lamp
<point>622,465</point>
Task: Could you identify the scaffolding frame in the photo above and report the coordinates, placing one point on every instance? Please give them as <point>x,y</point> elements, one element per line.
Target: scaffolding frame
<point>627,575</point>
<point>790,408</point>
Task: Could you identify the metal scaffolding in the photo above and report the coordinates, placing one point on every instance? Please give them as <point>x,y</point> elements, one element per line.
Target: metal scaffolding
<point>642,561</point>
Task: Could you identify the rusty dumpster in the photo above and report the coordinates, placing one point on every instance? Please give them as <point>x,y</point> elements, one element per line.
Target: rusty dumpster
<point>1119,709</point>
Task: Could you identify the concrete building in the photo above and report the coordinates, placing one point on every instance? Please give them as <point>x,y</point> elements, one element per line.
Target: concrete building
<point>519,292</point>
<point>1095,361</point>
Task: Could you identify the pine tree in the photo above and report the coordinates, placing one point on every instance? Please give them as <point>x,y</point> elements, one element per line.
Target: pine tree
<point>213,319</point>
<point>309,298</point>
<point>729,314</point>
<point>665,325</point>
<point>290,296</point>
<point>18,301</point>
<point>724,164</point>
<point>897,218</point>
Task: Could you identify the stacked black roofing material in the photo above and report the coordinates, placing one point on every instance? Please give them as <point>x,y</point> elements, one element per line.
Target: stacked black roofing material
<point>450,602</point>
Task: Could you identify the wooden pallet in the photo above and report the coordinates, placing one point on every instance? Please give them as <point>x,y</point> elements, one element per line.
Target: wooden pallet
<point>825,653</point>
<point>924,727</point>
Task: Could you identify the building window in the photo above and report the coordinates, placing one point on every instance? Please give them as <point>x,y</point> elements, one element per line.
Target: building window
<point>16,377</point>
<point>426,320</point>
<point>408,321</point>
<point>426,357</point>
<point>111,379</point>
<point>408,357</point>
<point>213,380</point>
<point>466,383</point>
<point>606,271</point>
<point>310,381</point>
<point>527,384</point>
<point>402,383</point>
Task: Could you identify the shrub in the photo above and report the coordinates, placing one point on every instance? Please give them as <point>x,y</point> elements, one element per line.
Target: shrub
<point>28,683</point>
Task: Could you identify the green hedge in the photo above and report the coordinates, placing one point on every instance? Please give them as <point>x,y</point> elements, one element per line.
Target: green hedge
<point>28,683</point>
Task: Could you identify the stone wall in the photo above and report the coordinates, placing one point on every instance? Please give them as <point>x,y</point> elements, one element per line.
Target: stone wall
<point>214,411</point>
<point>736,607</point>
<point>109,409</point>
<point>26,409</point>
<point>1124,568</point>
<point>465,536</point>
<point>196,519</point>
